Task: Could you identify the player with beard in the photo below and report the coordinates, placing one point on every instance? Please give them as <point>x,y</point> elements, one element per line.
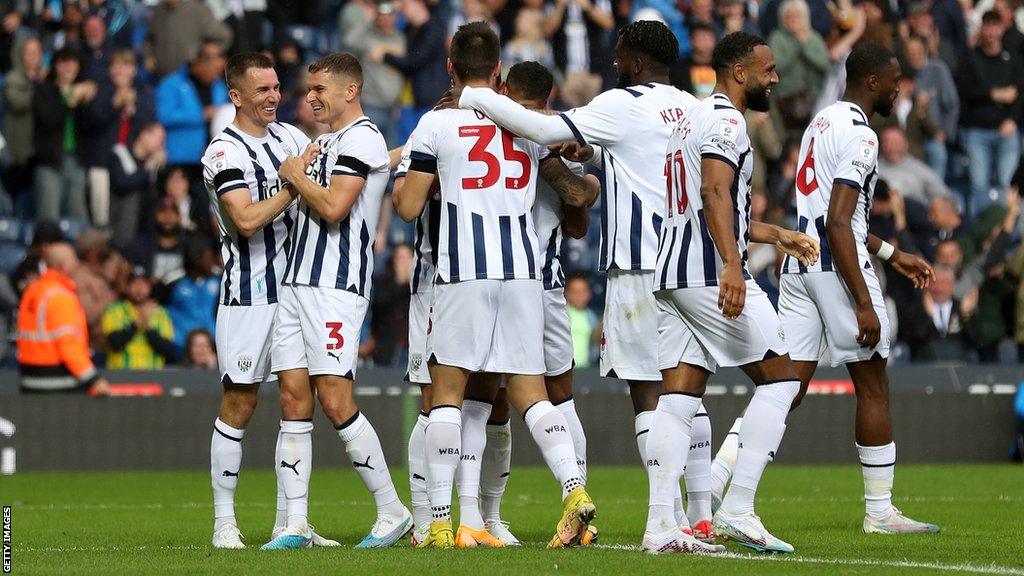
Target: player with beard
<point>837,304</point>
<point>711,311</point>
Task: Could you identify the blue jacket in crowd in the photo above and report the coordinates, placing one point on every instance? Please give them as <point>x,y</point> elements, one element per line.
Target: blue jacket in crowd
<point>179,109</point>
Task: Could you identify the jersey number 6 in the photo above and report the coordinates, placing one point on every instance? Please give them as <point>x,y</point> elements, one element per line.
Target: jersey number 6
<point>806,179</point>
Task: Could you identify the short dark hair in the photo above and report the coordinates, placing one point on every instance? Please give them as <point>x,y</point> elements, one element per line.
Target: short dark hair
<point>530,80</point>
<point>991,17</point>
<point>475,51</point>
<point>734,48</point>
<point>651,38</point>
<point>867,59</point>
<point>66,53</point>
<point>701,27</point>
<point>339,63</point>
<point>239,64</point>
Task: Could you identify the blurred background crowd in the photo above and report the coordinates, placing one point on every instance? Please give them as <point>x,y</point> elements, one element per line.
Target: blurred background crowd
<point>107,106</point>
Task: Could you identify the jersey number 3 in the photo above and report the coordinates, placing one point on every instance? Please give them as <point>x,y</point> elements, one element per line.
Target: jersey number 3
<point>806,179</point>
<point>335,335</point>
<point>479,153</point>
<point>675,181</point>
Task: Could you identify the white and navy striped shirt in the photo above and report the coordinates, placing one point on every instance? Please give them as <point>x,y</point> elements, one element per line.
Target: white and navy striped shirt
<point>688,257</point>
<point>340,256</point>
<point>234,160</point>
<point>632,126</point>
<point>838,147</point>
<point>426,235</point>
<point>488,182</point>
<point>547,219</point>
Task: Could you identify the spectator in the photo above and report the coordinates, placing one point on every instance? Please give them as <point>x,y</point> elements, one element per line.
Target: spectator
<point>382,84</point>
<point>59,178</point>
<point>472,11</point>
<point>802,59</point>
<point>12,31</point>
<point>528,44</point>
<point>948,16</point>
<point>120,106</point>
<point>94,290</point>
<point>245,19</point>
<point>933,83</point>
<point>921,24</point>
<point>69,33</point>
<point>693,73</point>
<point>177,31</point>
<point>186,101</point>
<point>200,350</point>
<point>424,61</point>
<point>878,18</point>
<point>990,84</point>
<point>95,50</point>
<point>769,16</point>
<point>910,115</point>
<point>133,174</point>
<point>945,220</point>
<point>291,72</point>
<point>730,16</point>
<point>389,322</point>
<point>939,320</point>
<point>139,331</point>
<point>193,300</point>
<point>577,31</point>
<point>53,339</point>
<point>583,321</point>
<point>19,119</point>
<point>193,208</point>
<point>905,173</point>
<point>117,17</point>
<point>161,251</point>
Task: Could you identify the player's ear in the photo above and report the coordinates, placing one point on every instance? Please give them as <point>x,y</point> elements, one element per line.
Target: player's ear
<point>739,73</point>
<point>496,74</point>
<point>236,97</point>
<point>451,69</point>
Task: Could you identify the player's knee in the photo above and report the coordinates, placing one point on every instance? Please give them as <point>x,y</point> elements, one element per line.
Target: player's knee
<point>338,410</point>
<point>874,392</point>
<point>780,393</point>
<point>238,406</point>
<point>294,404</point>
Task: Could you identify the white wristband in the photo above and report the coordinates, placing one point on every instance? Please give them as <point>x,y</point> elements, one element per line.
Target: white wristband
<point>885,251</point>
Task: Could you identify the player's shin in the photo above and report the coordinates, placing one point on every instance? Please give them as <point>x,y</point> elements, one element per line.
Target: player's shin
<point>467,477</point>
<point>725,460</point>
<point>418,473</point>
<point>295,467</point>
<point>550,432</point>
<point>495,469</point>
<point>579,440</point>
<point>698,470</point>
<point>670,430</point>
<point>878,465</point>
<point>763,427</point>
<point>225,464</point>
<point>443,448</point>
<point>367,457</point>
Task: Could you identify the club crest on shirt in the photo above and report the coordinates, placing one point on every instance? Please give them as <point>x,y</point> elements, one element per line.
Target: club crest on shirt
<point>415,362</point>
<point>244,362</point>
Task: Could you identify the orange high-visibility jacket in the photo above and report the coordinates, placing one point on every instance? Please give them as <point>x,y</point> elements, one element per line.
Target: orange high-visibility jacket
<point>53,339</point>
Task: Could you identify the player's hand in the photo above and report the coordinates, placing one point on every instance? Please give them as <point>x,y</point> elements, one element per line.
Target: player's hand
<point>915,268</point>
<point>799,245</point>
<point>310,153</point>
<point>573,151</point>
<point>732,291</point>
<point>292,169</point>
<point>450,99</point>
<point>869,329</point>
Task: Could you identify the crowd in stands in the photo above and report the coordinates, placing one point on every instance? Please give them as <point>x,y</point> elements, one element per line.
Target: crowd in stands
<point>107,106</point>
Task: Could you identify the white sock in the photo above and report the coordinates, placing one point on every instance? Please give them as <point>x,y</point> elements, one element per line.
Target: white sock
<point>418,473</point>
<point>367,457</point>
<point>551,433</point>
<point>669,433</point>
<point>281,515</point>
<point>467,478</point>
<point>443,446</point>
<point>642,426</point>
<point>760,435</point>
<point>295,467</point>
<point>497,465</point>
<point>725,459</point>
<point>225,464</point>
<point>878,464</point>
<point>698,469</point>
<point>579,438</point>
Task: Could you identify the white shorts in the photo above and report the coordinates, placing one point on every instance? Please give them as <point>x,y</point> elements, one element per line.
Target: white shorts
<point>318,329</point>
<point>419,312</point>
<point>243,343</point>
<point>557,335</point>
<point>629,343</point>
<point>488,326</point>
<point>676,342</point>
<point>817,312</point>
<point>752,336</point>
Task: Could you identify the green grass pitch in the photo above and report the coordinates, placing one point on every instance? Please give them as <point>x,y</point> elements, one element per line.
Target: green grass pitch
<point>160,523</point>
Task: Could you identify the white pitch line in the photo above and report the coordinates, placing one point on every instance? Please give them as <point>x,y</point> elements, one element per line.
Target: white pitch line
<point>971,568</point>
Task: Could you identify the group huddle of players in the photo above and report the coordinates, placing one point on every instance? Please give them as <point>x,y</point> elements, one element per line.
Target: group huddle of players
<point>488,327</point>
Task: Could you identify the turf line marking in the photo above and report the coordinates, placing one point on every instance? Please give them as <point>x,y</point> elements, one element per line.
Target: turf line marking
<point>971,568</point>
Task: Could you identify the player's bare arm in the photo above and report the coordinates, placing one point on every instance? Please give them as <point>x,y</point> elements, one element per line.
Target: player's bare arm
<point>250,217</point>
<point>576,219</point>
<point>912,266</point>
<point>572,189</point>
<point>796,244</point>
<point>410,199</point>
<point>715,192</point>
<point>395,157</point>
<point>332,204</point>
<point>536,126</point>
<point>839,230</point>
